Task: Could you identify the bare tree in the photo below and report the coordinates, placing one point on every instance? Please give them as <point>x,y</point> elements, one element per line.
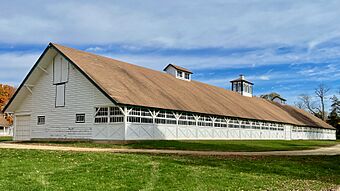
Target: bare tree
<point>307,103</point>
<point>299,105</point>
<point>321,92</point>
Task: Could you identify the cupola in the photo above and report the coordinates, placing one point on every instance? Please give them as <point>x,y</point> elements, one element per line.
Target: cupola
<point>178,72</point>
<point>242,86</point>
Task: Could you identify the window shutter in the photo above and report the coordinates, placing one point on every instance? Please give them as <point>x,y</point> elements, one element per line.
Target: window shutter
<point>60,70</point>
<point>64,70</point>
<point>60,95</point>
<point>57,69</point>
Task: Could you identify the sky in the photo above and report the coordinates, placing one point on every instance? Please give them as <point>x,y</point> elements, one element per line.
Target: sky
<point>288,46</point>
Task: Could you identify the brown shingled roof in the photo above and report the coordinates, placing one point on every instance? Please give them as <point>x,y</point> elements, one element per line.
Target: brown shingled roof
<point>129,84</point>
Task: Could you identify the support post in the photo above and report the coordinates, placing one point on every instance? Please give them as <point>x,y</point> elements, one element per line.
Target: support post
<point>125,122</point>
<point>227,122</point>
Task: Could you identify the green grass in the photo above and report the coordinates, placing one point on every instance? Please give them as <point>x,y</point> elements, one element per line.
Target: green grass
<point>263,145</point>
<point>56,170</point>
<point>2,139</point>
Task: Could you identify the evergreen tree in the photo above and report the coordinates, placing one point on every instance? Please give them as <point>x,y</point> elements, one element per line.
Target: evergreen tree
<point>334,115</point>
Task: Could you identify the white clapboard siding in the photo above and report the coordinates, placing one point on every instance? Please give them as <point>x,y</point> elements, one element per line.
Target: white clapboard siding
<point>26,104</point>
<point>81,96</point>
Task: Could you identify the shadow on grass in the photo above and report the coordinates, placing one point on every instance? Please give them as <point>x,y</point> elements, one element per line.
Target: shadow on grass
<point>5,138</point>
<point>237,145</point>
<point>207,145</point>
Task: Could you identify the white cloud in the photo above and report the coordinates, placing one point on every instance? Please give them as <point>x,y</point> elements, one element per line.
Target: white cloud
<point>15,66</point>
<point>305,26</point>
<point>94,49</point>
<point>176,24</point>
<point>264,77</point>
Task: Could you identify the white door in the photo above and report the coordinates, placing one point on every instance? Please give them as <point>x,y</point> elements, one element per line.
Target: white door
<point>22,128</point>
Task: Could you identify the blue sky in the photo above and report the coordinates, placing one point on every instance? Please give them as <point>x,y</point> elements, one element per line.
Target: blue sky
<point>287,47</point>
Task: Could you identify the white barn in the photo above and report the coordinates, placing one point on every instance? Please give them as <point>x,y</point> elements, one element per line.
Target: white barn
<point>71,94</point>
<point>5,128</point>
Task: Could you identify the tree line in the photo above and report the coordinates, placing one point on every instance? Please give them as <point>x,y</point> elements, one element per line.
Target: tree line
<point>316,104</point>
<point>6,92</point>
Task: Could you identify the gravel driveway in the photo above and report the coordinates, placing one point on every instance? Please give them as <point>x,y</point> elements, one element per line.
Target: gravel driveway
<point>334,150</point>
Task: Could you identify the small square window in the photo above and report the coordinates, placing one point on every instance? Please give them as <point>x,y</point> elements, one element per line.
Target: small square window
<point>179,74</point>
<point>41,120</point>
<point>187,76</point>
<point>80,118</point>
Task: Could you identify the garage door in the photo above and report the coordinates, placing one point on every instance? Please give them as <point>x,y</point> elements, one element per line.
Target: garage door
<point>22,128</point>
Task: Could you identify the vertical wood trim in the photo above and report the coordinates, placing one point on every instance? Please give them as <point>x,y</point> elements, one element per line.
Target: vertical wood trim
<point>15,127</point>
<point>125,122</point>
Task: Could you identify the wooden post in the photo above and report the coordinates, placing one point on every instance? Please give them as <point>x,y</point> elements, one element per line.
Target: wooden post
<point>125,122</point>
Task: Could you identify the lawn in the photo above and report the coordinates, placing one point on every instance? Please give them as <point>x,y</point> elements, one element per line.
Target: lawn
<point>5,138</point>
<point>210,145</point>
<point>57,170</point>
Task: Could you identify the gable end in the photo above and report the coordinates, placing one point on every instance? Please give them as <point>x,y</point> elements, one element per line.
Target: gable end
<point>50,45</point>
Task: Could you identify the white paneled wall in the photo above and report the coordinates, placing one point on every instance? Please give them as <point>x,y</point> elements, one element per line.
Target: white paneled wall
<point>178,132</point>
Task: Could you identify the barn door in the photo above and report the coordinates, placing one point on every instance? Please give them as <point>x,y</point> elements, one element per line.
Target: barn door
<point>22,131</point>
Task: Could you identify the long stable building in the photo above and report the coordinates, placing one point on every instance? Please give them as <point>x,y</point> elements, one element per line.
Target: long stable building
<point>71,94</point>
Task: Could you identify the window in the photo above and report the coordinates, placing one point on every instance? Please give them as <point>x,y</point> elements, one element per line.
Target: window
<point>101,115</point>
<point>220,122</point>
<point>187,76</point>
<point>165,117</point>
<point>245,124</point>
<point>233,123</point>
<point>80,118</point>
<point>187,119</point>
<point>116,115</point>
<point>139,115</point>
<point>41,120</point>
<point>205,121</point>
<point>60,95</point>
<point>179,74</point>
<point>108,115</point>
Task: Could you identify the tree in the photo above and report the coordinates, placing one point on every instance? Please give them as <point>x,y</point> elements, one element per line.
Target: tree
<point>334,115</point>
<point>315,104</point>
<point>306,102</point>
<point>321,93</point>
<point>6,92</point>
<point>299,105</point>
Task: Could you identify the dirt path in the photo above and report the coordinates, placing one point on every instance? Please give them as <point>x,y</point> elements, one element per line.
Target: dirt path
<point>334,150</point>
